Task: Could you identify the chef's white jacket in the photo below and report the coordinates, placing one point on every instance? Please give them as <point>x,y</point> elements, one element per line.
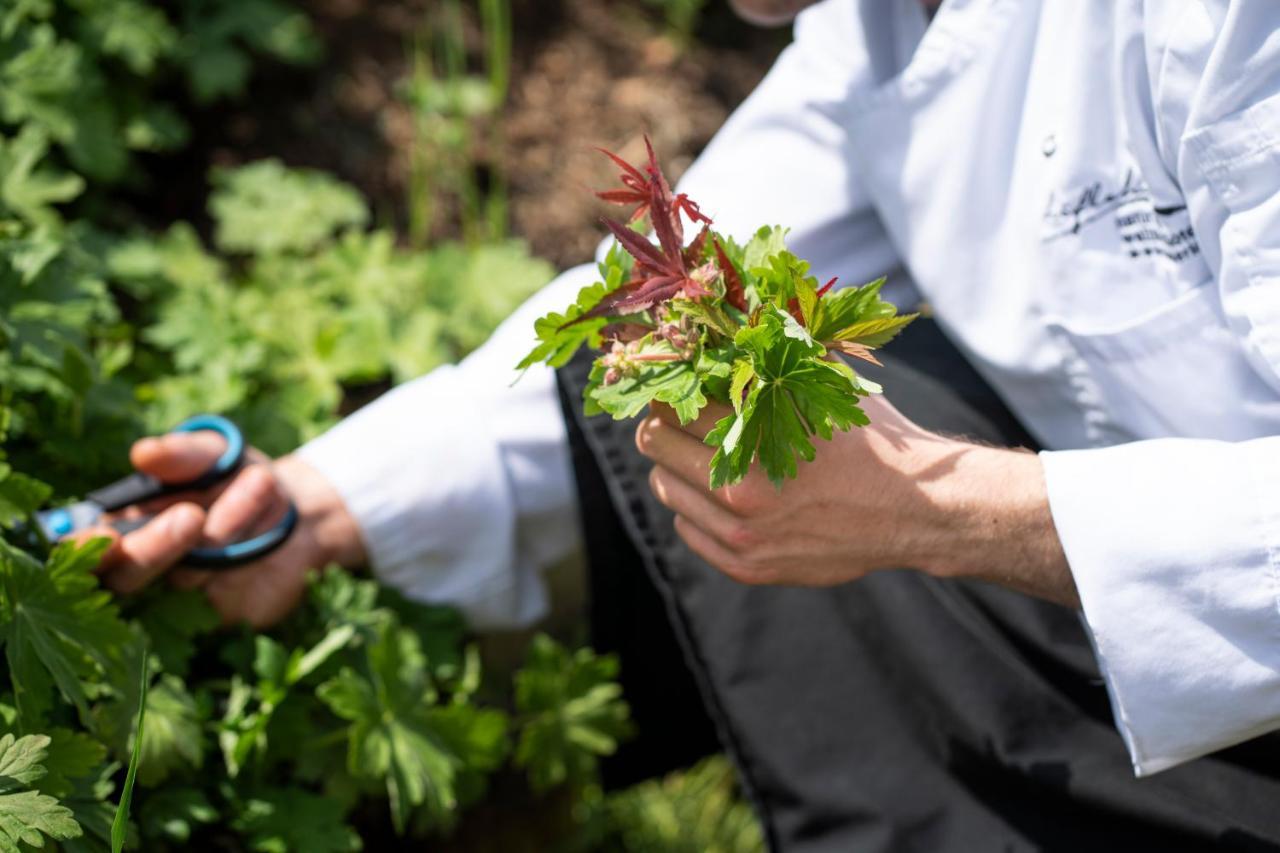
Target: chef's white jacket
<point>1085,192</point>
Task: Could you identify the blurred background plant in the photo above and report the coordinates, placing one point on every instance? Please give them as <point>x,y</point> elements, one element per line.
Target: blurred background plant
<point>452,107</point>
<point>158,258</point>
<point>682,16</point>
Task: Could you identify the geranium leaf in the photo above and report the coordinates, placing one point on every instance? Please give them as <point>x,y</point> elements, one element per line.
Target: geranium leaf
<point>59,628</point>
<point>575,712</point>
<point>27,816</point>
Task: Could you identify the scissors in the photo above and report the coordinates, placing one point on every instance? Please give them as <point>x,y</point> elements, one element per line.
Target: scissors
<point>139,487</point>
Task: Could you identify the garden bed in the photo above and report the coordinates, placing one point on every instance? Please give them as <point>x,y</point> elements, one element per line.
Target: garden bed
<point>584,73</point>
<point>176,236</point>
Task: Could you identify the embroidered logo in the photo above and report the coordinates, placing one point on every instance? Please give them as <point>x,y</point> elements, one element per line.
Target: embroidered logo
<point>1140,227</point>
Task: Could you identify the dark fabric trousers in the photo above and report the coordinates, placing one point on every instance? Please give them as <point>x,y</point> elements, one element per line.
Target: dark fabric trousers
<point>898,712</point>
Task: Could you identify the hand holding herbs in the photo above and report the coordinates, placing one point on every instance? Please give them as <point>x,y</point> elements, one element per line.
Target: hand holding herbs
<point>746,326</point>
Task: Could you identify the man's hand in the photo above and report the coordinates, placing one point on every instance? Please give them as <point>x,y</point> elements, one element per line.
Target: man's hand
<point>890,495</point>
<point>262,592</point>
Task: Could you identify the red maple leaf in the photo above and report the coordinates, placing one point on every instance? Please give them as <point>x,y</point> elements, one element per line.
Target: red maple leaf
<point>638,189</point>
<point>635,187</point>
<point>734,293</point>
<point>668,269</point>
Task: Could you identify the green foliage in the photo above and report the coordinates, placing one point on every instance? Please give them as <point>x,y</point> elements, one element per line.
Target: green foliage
<point>321,305</point>
<point>451,107</point>
<point>362,706</point>
<point>82,74</point>
<point>220,37</point>
<point>173,814</point>
<point>266,209</point>
<point>682,16</point>
<point>120,823</point>
<point>760,337</point>
<point>58,629</point>
<point>696,811</point>
<point>26,815</point>
<point>791,393</point>
<point>560,335</point>
<point>279,820</point>
<point>574,711</point>
<point>402,733</point>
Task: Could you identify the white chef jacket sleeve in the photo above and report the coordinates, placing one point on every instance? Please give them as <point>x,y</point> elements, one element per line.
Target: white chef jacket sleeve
<point>1184,606</point>
<point>461,482</point>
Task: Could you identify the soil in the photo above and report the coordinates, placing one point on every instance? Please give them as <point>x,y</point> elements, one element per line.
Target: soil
<point>585,73</point>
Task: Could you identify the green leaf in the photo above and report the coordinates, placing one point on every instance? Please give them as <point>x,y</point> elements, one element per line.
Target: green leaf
<point>156,128</point>
<point>397,734</point>
<point>560,335</point>
<point>478,737</point>
<point>279,820</point>
<point>795,396</point>
<point>20,496</point>
<point>765,244</point>
<point>676,383</point>
<point>265,208</point>
<point>301,664</point>
<point>474,287</point>
<point>874,333</point>
<point>28,188</point>
<point>442,631</point>
<point>173,619</point>
<point>138,33</point>
<point>26,816</point>
<point>173,738</point>
<point>691,811</point>
<point>59,628</point>
<point>92,806</point>
<point>341,598</point>
<point>174,814</point>
<point>217,70</point>
<point>72,756</point>
<point>744,373</point>
<point>22,760</point>
<point>574,710</point>
<point>120,824</point>
<point>846,306</point>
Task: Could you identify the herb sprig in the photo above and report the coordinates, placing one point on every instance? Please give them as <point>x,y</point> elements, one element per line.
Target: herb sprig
<point>685,322</point>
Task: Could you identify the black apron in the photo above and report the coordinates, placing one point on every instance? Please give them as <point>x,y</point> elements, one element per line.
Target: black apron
<point>898,712</point>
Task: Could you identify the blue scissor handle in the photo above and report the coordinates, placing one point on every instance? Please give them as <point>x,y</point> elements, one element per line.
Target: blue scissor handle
<point>246,550</point>
<point>139,487</point>
<point>230,459</point>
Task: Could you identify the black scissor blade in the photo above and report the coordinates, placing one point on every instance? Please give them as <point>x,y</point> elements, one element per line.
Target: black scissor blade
<point>133,489</point>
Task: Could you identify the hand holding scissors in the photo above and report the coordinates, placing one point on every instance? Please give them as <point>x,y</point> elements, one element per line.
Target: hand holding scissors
<point>212,513</point>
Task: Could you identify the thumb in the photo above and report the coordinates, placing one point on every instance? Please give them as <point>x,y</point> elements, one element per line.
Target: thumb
<point>177,456</point>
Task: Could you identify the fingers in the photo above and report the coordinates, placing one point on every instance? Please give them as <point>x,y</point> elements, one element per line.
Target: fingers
<point>186,579</point>
<point>697,506</point>
<point>698,428</point>
<point>742,568</point>
<point>141,556</point>
<point>261,594</point>
<point>249,497</point>
<point>177,456</point>
<point>674,449</point>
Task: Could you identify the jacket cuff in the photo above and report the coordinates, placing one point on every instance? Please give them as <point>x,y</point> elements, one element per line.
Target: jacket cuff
<point>1173,544</point>
<point>432,500</point>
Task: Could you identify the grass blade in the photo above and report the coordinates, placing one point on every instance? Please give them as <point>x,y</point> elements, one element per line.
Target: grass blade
<point>120,826</point>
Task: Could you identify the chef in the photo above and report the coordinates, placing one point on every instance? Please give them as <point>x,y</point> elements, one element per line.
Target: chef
<point>1034,605</point>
